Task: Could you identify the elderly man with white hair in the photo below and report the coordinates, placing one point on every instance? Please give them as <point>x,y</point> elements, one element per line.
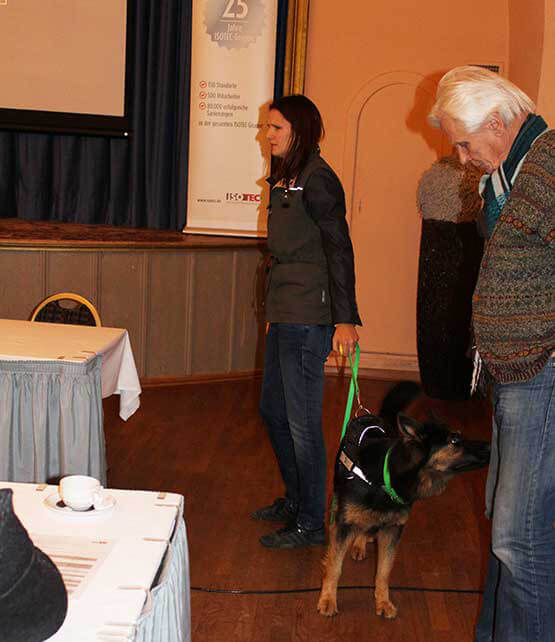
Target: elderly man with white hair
<point>492,124</point>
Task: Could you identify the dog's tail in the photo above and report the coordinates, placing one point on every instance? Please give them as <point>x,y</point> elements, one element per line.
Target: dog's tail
<point>398,399</point>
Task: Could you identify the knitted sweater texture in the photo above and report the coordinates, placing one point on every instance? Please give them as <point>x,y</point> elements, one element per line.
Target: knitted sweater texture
<point>514,299</point>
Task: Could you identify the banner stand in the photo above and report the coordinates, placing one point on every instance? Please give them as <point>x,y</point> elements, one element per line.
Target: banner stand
<point>232,84</point>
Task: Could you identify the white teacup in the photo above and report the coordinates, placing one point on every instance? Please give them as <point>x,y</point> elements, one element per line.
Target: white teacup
<point>80,492</point>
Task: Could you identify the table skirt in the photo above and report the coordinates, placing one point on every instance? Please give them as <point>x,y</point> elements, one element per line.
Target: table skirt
<point>51,423</point>
<point>169,617</point>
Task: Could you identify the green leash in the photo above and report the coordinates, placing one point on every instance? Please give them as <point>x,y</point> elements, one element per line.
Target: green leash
<point>387,480</point>
<point>353,389</point>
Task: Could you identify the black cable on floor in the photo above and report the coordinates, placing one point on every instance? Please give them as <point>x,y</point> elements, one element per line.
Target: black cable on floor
<point>416,589</point>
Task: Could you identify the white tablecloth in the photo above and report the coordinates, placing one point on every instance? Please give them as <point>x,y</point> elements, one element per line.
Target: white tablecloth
<point>138,589</point>
<point>35,341</point>
<point>52,381</point>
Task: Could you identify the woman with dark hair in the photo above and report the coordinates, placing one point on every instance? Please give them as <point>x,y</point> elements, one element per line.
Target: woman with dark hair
<point>310,309</point>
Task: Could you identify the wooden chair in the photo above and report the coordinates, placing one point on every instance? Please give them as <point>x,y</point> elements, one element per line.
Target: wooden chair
<point>66,307</point>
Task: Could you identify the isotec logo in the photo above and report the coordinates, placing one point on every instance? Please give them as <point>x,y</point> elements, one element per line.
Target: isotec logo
<point>245,198</point>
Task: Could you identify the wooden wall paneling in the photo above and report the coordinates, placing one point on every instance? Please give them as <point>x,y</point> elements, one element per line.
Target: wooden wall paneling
<point>188,321</point>
<point>145,300</point>
<point>122,287</point>
<point>98,283</point>
<point>248,337</point>
<point>21,282</point>
<point>167,316</point>
<point>188,313</point>
<point>234,311</point>
<point>73,271</point>
<point>212,312</point>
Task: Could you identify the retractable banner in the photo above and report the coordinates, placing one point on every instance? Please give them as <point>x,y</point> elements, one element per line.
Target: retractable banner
<point>232,83</point>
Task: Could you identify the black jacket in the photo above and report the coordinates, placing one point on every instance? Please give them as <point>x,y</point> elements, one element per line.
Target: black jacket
<point>312,279</point>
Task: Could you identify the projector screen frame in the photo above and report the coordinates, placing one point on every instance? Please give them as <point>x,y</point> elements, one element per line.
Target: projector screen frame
<point>57,122</point>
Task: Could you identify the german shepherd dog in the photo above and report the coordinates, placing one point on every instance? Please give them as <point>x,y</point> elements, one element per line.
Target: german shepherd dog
<point>378,476</point>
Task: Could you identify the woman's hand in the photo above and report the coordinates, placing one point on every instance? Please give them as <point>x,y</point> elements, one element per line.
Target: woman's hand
<point>345,338</point>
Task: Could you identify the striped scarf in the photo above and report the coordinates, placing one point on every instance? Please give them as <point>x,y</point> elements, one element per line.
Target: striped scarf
<point>495,188</point>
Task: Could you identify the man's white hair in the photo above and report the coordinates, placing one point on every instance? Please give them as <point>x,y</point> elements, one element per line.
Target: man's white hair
<point>470,95</point>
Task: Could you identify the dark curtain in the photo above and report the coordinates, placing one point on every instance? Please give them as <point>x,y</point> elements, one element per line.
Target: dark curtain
<point>281,47</point>
<point>140,181</point>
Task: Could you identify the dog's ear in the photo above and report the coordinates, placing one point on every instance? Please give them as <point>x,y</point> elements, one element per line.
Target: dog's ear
<point>409,427</point>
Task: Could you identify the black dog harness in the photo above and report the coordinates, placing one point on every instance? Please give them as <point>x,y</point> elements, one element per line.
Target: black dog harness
<point>358,432</point>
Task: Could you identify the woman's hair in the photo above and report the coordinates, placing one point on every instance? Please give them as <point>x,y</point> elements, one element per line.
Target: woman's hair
<point>307,129</point>
<point>471,94</point>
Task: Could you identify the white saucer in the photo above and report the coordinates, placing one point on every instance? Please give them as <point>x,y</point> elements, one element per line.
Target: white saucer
<point>54,503</point>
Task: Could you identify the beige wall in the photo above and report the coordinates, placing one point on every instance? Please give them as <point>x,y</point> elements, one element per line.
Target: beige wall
<point>532,52</point>
<point>372,69</point>
<point>526,42</point>
<point>546,94</point>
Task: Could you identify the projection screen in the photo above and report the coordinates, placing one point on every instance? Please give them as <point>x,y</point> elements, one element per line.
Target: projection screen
<point>63,65</point>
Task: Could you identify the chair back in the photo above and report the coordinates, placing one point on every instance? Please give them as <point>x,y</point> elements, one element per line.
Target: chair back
<point>66,307</point>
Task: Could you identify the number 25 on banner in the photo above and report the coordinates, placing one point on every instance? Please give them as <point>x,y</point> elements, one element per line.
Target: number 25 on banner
<point>231,11</point>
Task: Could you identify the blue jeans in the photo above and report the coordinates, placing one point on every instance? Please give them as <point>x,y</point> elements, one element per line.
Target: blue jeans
<point>291,407</point>
<point>519,597</point>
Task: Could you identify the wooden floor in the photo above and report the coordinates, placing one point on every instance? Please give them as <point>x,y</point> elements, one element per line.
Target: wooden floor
<point>207,442</point>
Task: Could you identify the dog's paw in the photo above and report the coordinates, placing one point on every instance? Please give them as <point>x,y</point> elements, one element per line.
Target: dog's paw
<point>327,606</point>
<point>386,609</point>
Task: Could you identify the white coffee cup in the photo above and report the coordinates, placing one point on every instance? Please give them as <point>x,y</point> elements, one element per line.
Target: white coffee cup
<point>80,492</point>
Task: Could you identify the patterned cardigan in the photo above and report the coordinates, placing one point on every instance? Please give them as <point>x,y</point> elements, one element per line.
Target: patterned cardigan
<point>514,298</point>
